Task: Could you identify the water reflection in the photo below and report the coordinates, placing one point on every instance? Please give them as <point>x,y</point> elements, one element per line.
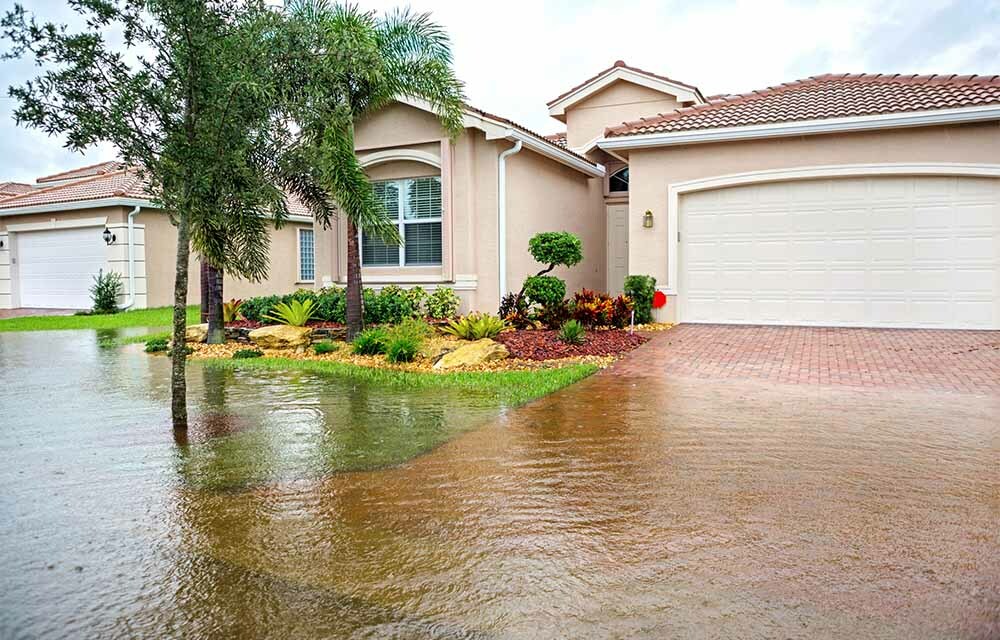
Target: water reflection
<point>666,509</point>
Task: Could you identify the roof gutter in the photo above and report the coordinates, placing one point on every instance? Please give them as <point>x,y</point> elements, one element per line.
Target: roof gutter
<point>804,128</point>
<point>502,213</point>
<point>79,204</point>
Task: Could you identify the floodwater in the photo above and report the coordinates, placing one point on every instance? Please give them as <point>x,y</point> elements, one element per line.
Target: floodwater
<point>616,508</point>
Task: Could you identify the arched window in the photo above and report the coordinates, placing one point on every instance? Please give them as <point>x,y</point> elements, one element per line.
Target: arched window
<point>618,182</point>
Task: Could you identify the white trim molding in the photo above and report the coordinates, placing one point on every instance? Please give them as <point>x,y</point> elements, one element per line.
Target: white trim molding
<point>81,204</point>
<point>58,224</point>
<point>804,128</point>
<point>402,154</point>
<point>557,108</point>
<point>676,190</point>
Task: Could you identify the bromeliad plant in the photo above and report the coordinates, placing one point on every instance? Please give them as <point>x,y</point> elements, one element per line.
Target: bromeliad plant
<point>231,310</point>
<point>295,313</point>
<point>475,326</point>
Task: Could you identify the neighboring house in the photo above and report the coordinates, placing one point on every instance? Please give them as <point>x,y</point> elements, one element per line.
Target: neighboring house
<point>852,200</point>
<point>52,243</point>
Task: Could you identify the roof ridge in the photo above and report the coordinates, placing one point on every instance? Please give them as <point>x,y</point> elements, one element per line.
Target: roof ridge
<point>75,183</point>
<point>56,176</point>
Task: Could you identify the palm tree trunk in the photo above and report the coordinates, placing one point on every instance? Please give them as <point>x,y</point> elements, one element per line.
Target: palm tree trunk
<point>216,327</point>
<point>178,353</point>
<point>355,310</point>
<point>203,272</point>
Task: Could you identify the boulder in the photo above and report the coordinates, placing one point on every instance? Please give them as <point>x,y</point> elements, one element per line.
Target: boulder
<point>196,333</point>
<point>434,348</point>
<point>281,336</point>
<point>472,354</point>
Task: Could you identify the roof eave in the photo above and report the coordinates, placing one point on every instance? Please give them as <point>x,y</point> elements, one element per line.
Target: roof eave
<point>803,128</point>
<point>74,205</point>
<point>557,108</point>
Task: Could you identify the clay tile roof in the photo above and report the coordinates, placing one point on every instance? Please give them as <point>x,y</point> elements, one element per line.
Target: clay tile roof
<point>8,189</point>
<point>84,172</point>
<point>124,183</point>
<point>822,97</point>
<point>523,129</point>
<point>558,139</point>
<point>621,64</point>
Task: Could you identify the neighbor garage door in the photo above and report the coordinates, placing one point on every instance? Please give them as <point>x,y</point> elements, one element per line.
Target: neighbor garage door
<point>56,268</point>
<point>879,252</point>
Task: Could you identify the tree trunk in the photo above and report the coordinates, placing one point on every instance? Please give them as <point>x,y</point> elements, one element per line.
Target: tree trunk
<point>204,291</point>
<point>355,308</point>
<point>216,326</point>
<point>178,353</point>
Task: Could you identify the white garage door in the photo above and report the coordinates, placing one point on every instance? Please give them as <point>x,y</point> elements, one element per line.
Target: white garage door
<point>876,252</point>
<point>56,268</point>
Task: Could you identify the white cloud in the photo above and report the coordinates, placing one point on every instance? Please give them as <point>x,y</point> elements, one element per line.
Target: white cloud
<point>517,55</point>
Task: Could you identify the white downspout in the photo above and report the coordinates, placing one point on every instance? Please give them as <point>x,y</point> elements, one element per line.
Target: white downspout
<point>502,212</point>
<point>131,258</point>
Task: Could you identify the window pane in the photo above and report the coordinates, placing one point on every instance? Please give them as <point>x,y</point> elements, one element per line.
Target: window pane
<point>423,243</point>
<point>423,198</point>
<point>375,253</point>
<point>307,255</point>
<point>388,194</point>
<point>619,181</point>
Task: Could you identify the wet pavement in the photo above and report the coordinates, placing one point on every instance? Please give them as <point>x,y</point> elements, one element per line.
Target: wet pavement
<point>622,507</point>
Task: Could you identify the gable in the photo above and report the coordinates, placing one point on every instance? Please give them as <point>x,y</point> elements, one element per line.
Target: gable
<point>624,92</point>
<point>397,125</point>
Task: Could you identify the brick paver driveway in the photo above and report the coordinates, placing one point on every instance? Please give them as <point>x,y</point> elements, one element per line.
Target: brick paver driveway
<point>954,361</point>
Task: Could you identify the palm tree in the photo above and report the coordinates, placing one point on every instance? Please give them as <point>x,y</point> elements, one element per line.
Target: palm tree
<point>358,62</point>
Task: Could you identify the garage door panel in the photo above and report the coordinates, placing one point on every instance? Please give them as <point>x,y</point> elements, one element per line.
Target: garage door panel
<point>56,268</point>
<point>902,251</point>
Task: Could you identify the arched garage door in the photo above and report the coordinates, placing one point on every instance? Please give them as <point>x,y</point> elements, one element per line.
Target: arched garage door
<point>907,251</point>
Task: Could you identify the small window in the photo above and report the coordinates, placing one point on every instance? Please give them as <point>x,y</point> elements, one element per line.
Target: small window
<point>618,182</point>
<point>415,205</point>
<point>307,256</point>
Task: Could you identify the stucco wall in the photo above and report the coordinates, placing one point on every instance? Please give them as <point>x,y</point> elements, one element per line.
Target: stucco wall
<point>619,102</point>
<point>545,196</point>
<point>653,171</point>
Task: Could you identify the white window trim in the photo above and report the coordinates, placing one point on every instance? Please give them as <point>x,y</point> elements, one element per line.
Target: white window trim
<point>401,222</point>
<point>298,256</point>
<point>676,190</point>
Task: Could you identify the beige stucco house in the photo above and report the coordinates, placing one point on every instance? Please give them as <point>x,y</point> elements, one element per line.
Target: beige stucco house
<point>849,200</point>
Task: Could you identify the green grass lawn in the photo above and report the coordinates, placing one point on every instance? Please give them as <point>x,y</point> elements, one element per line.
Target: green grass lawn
<point>158,317</point>
<point>510,388</point>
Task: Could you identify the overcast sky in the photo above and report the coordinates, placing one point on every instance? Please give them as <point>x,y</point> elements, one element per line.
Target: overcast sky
<point>515,56</point>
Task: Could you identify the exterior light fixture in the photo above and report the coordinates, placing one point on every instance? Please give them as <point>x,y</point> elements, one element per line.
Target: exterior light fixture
<point>109,238</point>
<point>647,219</point>
<point>1,244</point>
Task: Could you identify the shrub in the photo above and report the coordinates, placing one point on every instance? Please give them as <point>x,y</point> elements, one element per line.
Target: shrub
<point>552,316</point>
<point>556,248</point>
<point>475,326</point>
<point>324,347</point>
<point>231,310</point>
<point>402,348</point>
<point>255,309</point>
<point>544,290</point>
<point>371,342</point>
<point>641,290</point>
<point>572,332</point>
<point>331,305</point>
<point>104,294</point>
<point>415,328</point>
<point>295,313</point>
<point>621,312</point>
<point>247,353</point>
<point>388,306</point>
<point>514,311</point>
<point>417,297</point>
<point>157,345</point>
<point>442,303</point>
<point>592,309</point>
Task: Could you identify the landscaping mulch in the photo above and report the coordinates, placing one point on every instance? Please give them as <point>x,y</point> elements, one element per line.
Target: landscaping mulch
<point>545,345</point>
<point>253,324</point>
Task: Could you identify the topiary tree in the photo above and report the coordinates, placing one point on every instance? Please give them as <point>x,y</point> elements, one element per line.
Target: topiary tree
<point>555,248</point>
<point>544,290</point>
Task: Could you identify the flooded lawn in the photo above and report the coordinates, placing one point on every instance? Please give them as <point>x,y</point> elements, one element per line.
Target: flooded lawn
<point>617,508</point>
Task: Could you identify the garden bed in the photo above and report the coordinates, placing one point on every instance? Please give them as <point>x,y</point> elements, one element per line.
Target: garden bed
<point>546,345</point>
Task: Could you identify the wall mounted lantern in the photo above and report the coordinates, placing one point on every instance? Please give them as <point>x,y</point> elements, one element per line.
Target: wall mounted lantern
<point>647,219</point>
<point>109,238</point>
<point>1,244</point>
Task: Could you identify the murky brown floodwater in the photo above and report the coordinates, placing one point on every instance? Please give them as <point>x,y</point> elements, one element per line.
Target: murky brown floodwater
<point>617,508</point>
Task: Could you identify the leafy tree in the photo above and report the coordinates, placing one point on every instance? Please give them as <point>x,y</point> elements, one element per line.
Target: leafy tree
<point>189,98</point>
<point>361,62</point>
